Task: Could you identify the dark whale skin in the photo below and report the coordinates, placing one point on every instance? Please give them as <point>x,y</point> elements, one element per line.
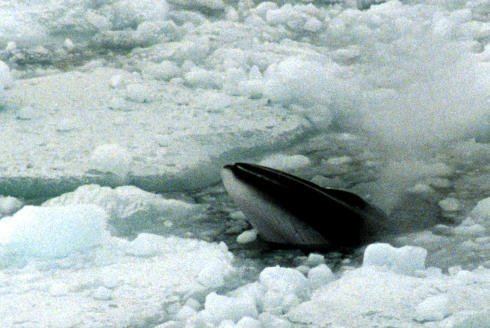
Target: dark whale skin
<point>288,210</point>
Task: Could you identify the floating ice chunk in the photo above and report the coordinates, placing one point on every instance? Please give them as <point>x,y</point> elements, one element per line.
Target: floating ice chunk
<point>450,204</point>
<point>481,212</point>
<point>5,77</point>
<point>68,45</point>
<point>139,93</point>
<point>302,81</point>
<point>11,46</point>
<point>248,322</point>
<point>184,313</point>
<point>434,308</point>
<point>9,205</point>
<point>129,207</point>
<point>342,160</point>
<point>285,280</point>
<point>111,158</point>
<point>197,4</point>
<point>246,237</point>
<point>320,276</point>
<point>285,288</point>
<point>405,260</point>
<point>116,81</point>
<point>469,228</point>
<point>315,259</point>
<point>312,25</point>
<point>263,7</point>
<point>474,320</point>
<point>221,308</point>
<point>102,294</point>
<point>53,232</point>
<point>201,78</point>
<point>146,245</point>
<point>271,321</point>
<point>165,71</point>
<point>286,162</point>
<point>213,274</point>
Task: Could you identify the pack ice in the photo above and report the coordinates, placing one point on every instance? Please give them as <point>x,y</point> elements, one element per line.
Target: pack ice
<point>116,117</point>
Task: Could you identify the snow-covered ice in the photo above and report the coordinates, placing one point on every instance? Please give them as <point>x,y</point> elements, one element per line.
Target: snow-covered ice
<point>116,117</point>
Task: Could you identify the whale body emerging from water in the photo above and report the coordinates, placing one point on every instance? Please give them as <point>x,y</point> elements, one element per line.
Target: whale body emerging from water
<point>288,210</point>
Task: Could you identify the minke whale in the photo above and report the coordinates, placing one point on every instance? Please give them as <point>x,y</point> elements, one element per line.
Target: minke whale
<point>290,211</point>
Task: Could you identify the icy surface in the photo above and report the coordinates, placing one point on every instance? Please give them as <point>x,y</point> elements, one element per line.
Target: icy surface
<point>52,232</point>
<point>103,103</point>
<point>131,209</point>
<point>74,273</point>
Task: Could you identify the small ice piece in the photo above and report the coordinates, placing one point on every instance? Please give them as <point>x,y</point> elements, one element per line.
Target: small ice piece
<point>138,93</point>
<point>271,321</point>
<point>170,324</point>
<point>286,162</point>
<point>421,189</point>
<point>184,313</point>
<point>450,204</point>
<point>315,259</point>
<point>434,308</point>
<point>145,245</point>
<point>102,294</point>
<point>201,78</point>
<point>11,46</point>
<point>193,303</point>
<point>111,158</point>
<point>58,289</point>
<point>221,307</point>
<point>116,81</point>
<point>481,212</point>
<point>285,281</point>
<point>264,7</point>
<point>247,236</point>
<point>165,71</point>
<point>212,275</point>
<point>53,232</point>
<point>320,276</point>
<point>469,228</point>
<point>6,79</point>
<point>68,45</point>
<point>312,25</point>
<point>9,205</point>
<point>342,160</point>
<point>237,215</point>
<point>404,260</point>
<point>248,322</point>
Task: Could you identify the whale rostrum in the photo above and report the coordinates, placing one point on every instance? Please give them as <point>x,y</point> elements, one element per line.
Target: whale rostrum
<point>288,210</point>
